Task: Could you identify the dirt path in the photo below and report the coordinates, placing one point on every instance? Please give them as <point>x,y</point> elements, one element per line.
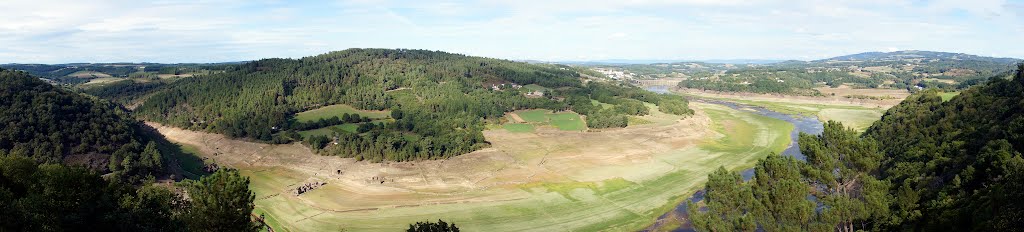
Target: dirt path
<point>516,117</point>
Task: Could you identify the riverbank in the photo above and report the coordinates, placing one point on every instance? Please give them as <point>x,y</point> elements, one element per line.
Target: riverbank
<point>677,219</point>
<point>856,113</point>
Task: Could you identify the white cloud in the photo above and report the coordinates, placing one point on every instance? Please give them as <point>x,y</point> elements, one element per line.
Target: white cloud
<point>227,30</point>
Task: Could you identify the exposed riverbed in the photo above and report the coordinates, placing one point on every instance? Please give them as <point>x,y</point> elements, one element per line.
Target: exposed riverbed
<point>804,124</point>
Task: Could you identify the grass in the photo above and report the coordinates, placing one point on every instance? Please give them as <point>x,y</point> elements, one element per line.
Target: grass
<point>187,157</point>
<point>634,120</point>
<point>613,204</point>
<point>857,117</point>
<point>946,96</point>
<point>602,104</point>
<point>337,110</point>
<point>860,120</point>
<point>103,80</point>
<point>326,131</point>
<point>535,87</point>
<point>330,130</point>
<point>89,74</point>
<point>519,127</point>
<point>534,115</point>
<point>566,121</point>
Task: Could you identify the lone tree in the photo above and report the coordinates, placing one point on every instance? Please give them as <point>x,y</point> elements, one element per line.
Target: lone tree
<point>221,202</point>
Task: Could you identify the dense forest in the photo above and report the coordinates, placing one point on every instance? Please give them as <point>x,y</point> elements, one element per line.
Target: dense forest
<point>54,125</point>
<point>927,165</point>
<point>440,101</point>
<point>72,162</point>
<point>55,197</point>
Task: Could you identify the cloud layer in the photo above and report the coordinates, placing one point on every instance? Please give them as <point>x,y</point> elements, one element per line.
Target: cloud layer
<point>234,30</point>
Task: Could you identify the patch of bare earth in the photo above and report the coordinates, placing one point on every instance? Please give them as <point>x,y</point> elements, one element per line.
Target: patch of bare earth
<point>839,99</point>
<point>487,175</point>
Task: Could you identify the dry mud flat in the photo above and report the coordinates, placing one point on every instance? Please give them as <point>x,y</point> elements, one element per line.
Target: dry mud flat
<point>894,96</point>
<point>550,180</point>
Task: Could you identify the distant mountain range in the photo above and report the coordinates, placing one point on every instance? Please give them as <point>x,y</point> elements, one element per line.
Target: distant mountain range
<point>866,56</point>
<point>627,61</point>
<point>912,54</point>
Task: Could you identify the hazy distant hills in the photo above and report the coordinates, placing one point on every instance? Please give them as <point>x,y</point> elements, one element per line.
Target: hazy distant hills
<point>628,62</point>
<point>891,70</point>
<point>917,55</point>
<point>866,56</point>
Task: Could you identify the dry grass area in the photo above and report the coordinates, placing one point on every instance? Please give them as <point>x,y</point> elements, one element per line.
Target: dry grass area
<point>549,180</point>
<point>165,76</point>
<point>839,99</point>
<point>89,74</point>
<point>103,80</point>
<point>947,81</point>
<point>842,91</point>
<point>853,112</point>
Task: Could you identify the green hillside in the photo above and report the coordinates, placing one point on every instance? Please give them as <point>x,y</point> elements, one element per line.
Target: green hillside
<point>53,125</point>
<point>443,98</point>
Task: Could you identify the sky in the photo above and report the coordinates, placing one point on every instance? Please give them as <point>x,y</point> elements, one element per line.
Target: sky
<point>65,31</point>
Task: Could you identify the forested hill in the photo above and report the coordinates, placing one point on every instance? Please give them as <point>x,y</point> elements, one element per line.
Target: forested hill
<point>957,165</point>
<point>438,101</point>
<point>50,124</point>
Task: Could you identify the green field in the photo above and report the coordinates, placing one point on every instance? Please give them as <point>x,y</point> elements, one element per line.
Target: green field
<point>534,115</point>
<point>566,121</point>
<point>518,127</point>
<point>330,130</point>
<point>612,204</point>
<point>535,87</point>
<point>858,117</point>
<point>187,157</point>
<point>948,95</point>
<point>337,110</point>
<point>602,104</point>
<point>103,80</point>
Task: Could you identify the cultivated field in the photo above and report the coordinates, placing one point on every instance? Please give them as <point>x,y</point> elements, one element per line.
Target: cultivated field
<point>527,120</point>
<point>89,74</point>
<point>103,80</point>
<point>545,180</point>
<point>337,110</point>
<point>844,92</point>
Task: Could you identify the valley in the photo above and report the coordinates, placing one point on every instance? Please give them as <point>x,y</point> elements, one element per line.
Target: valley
<point>499,115</point>
<point>550,179</point>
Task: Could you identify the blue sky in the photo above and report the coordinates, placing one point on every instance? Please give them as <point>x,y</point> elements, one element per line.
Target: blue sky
<point>44,31</point>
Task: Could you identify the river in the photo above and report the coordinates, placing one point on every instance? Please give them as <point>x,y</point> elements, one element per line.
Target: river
<point>805,124</point>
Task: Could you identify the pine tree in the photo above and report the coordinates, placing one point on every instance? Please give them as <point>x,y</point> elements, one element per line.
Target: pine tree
<point>781,195</point>
<point>221,202</point>
<point>840,164</point>
<point>728,204</point>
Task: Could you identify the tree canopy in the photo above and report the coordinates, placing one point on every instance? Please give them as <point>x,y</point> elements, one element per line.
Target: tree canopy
<point>54,125</point>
